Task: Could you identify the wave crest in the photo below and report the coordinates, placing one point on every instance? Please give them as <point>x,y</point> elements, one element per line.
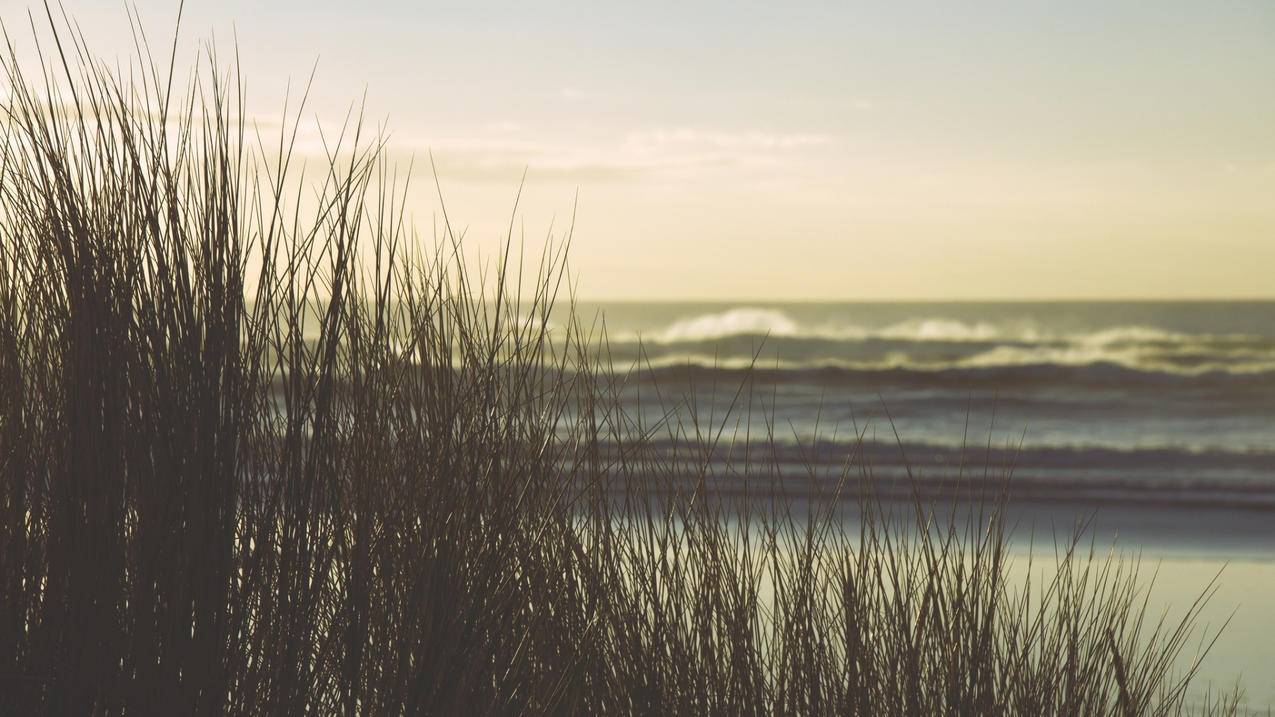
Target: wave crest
<point>731,323</point>
<point>757,321</point>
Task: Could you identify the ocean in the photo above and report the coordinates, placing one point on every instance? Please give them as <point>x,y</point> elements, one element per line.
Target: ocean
<point>1151,422</point>
<point>1102,402</point>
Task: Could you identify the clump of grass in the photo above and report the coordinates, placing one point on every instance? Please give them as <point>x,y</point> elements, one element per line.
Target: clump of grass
<point>259,454</point>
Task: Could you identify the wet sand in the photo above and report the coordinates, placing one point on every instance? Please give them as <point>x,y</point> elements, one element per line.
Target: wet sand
<point>1181,551</point>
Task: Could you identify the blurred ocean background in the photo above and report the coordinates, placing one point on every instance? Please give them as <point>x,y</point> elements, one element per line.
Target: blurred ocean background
<point>1140,402</point>
<point>1154,422</point>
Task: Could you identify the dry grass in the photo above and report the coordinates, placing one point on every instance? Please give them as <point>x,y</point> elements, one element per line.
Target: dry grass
<point>258,456</point>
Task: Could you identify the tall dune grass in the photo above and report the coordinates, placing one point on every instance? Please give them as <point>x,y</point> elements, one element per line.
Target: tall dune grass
<point>260,454</point>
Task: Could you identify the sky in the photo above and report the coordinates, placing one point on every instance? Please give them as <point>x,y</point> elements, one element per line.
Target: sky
<point>800,151</point>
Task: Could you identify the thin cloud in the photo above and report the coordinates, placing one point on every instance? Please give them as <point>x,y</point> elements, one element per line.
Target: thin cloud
<point>503,152</point>
<point>503,127</point>
<point>753,140</point>
<point>484,161</point>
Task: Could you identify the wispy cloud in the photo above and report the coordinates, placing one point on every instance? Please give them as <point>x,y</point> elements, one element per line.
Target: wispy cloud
<point>503,127</point>
<point>751,140</point>
<point>479,160</point>
<point>502,150</point>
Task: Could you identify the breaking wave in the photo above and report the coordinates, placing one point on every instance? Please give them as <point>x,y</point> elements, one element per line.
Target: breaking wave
<point>774,339</point>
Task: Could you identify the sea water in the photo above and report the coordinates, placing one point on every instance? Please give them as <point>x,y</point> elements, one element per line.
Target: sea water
<point>1154,421</point>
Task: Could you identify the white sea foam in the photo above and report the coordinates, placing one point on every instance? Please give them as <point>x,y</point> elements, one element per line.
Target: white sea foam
<point>748,320</point>
<point>1132,335</point>
<point>774,322</point>
<point>756,320</point>
<point>731,323</point>
<point>1067,355</point>
<point>942,330</point>
<point>991,344</point>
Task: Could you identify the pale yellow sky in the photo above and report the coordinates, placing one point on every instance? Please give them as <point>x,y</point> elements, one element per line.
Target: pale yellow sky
<point>819,151</point>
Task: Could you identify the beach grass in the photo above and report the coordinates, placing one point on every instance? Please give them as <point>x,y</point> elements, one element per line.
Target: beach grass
<point>262,453</point>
